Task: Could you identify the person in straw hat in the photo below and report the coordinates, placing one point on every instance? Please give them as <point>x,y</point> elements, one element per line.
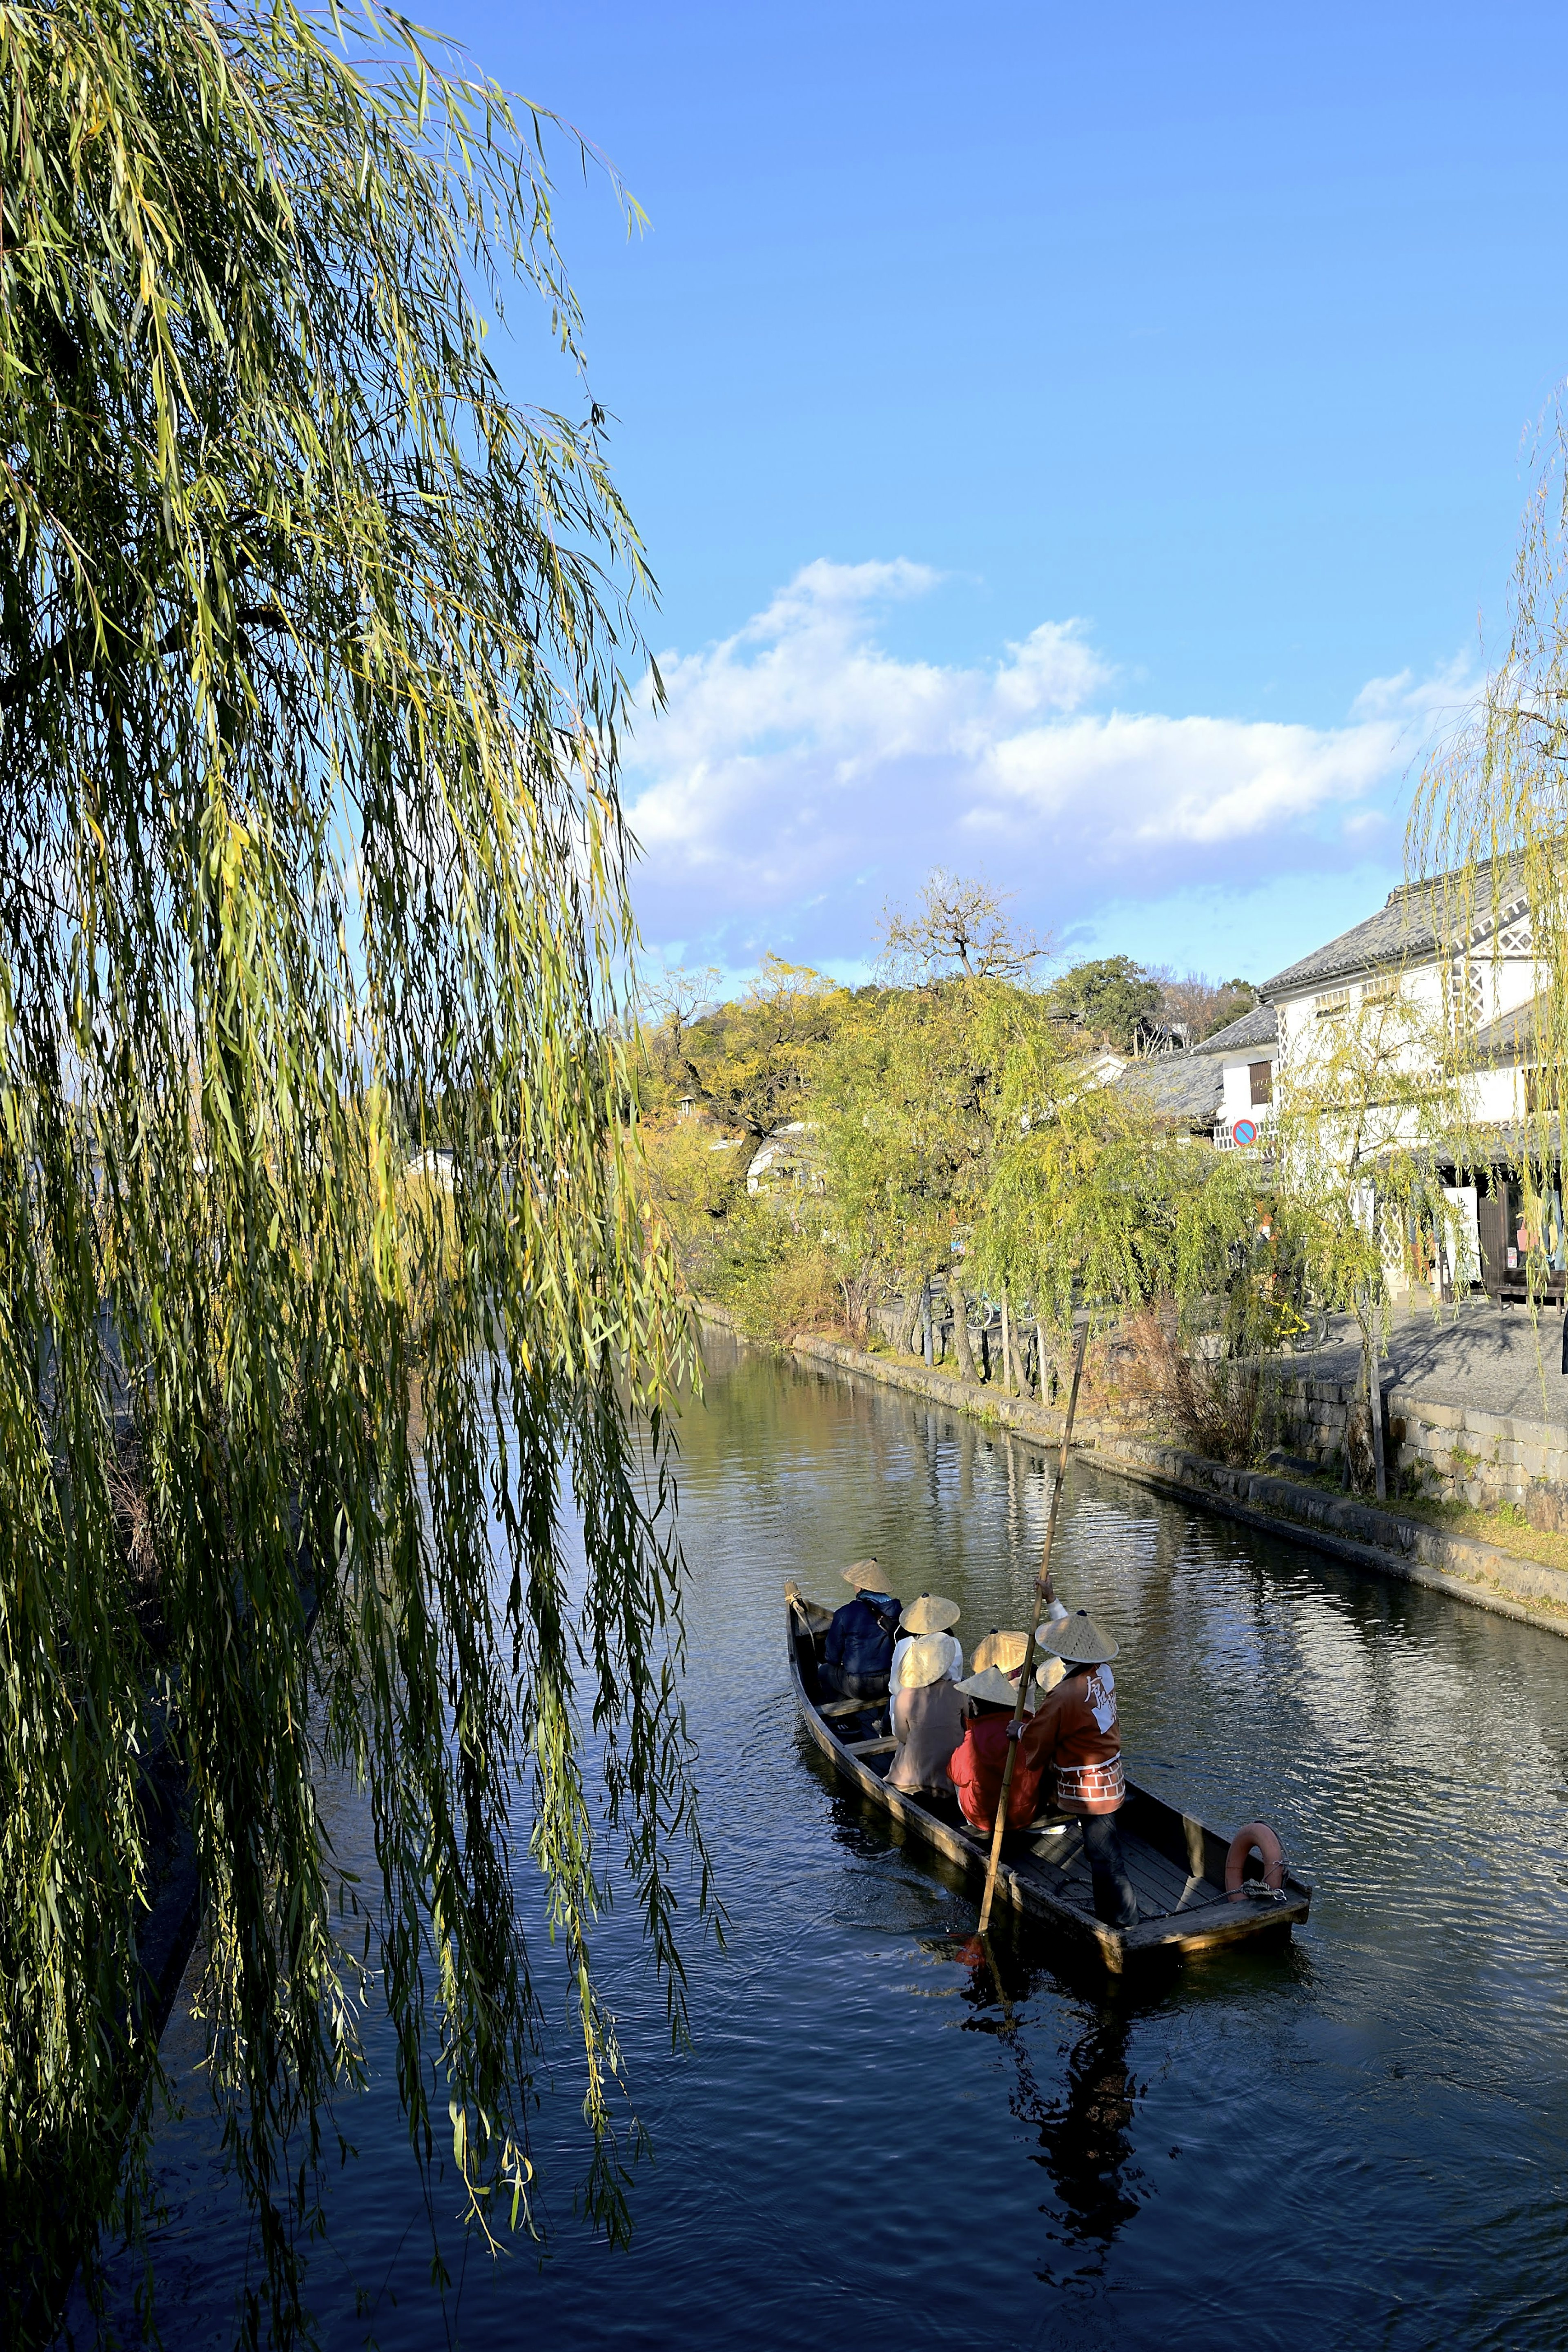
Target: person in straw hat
<point>1007,1650</point>
<point>858,1652</point>
<point>1076,1735</point>
<point>927,1716</point>
<point>928,1615</point>
<point>976,1764</point>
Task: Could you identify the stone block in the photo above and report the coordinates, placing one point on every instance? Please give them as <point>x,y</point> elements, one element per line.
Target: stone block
<point>1547,1507</point>
<point>1441,1416</point>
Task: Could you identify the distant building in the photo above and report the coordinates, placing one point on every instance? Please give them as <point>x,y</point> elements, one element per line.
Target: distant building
<point>1213,1089</point>
<point>438,1166</point>
<point>787,1157</point>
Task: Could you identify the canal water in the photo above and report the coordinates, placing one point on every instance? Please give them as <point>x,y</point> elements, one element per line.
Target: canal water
<point>1361,2140</point>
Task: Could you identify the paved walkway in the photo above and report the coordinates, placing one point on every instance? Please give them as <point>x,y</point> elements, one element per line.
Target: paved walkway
<point>1477,1354</point>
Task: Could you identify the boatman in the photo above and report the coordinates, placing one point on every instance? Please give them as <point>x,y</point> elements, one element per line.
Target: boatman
<point>1074,1731</point>
<point>858,1652</point>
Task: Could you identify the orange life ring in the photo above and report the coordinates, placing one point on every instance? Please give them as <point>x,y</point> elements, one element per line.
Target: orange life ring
<point>1259,1834</point>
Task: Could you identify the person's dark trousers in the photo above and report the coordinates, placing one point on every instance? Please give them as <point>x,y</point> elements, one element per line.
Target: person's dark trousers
<point>1114,1901</point>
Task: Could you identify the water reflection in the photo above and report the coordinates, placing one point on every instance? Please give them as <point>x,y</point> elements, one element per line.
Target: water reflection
<point>1082,2133</point>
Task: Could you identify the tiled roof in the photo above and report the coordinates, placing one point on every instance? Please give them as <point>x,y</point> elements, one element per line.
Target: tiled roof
<point>1259,1027</point>
<point>1181,1086</point>
<point>1412,924</point>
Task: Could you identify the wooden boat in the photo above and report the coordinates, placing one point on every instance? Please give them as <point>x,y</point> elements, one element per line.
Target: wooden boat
<point>1176,1863</point>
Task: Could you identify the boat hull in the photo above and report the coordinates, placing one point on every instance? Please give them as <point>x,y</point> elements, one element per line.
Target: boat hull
<point>1169,1854</point>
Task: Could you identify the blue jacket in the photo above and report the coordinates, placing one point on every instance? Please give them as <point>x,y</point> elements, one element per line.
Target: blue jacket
<point>857,1656</point>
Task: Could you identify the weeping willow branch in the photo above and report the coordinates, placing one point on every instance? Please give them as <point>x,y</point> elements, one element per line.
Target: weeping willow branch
<point>311,863</point>
<point>1490,821</point>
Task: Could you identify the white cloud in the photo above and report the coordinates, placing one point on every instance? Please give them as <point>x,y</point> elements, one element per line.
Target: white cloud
<point>802,774</point>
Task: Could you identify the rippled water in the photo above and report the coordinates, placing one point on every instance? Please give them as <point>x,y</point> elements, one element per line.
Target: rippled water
<point>1363,2140</point>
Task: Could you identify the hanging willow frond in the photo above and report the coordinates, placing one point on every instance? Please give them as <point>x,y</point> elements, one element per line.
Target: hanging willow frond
<point>311,875</point>
<point>1490,825</point>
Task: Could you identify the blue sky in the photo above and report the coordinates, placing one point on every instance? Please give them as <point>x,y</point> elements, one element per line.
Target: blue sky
<point>1085,446</point>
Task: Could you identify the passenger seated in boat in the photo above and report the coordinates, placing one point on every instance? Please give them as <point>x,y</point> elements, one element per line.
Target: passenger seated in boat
<point>928,1614</point>
<point>858,1651</point>
<point>976,1763</point>
<point>1075,1734</point>
<point>927,1717</point>
<point>1007,1650</point>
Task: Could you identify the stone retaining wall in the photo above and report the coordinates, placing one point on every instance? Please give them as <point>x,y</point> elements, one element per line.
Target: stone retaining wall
<point>1454,1451</point>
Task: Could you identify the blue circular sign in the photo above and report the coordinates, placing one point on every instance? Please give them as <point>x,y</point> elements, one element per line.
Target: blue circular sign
<point>1245,1132</point>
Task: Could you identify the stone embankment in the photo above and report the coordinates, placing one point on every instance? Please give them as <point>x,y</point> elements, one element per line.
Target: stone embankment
<point>1383,1541</point>
<point>1484,1459</point>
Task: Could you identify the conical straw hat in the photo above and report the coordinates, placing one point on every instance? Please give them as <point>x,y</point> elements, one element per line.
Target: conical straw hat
<point>1050,1674</point>
<point>924,1660</point>
<point>1079,1640</point>
<point>865,1576</point>
<point>1004,1650</point>
<point>995,1687</point>
<point>928,1613</point>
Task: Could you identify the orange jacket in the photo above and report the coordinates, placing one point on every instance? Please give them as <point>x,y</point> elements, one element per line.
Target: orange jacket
<point>1076,1730</point>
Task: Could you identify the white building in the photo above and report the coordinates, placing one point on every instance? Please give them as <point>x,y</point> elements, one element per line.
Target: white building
<point>786,1156</point>
<point>1492,978</point>
<point>1227,1088</point>
<point>1407,946</point>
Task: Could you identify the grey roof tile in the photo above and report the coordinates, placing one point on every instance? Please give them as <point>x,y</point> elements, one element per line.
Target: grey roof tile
<point>1412,923</point>
<point>1259,1027</point>
<point>1510,1036</point>
<point>1181,1086</point>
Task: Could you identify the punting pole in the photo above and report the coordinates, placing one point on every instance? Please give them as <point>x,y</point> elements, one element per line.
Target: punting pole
<point>1026,1673</point>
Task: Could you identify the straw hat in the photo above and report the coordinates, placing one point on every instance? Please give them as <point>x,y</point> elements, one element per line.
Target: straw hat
<point>865,1576</point>
<point>995,1687</point>
<point>924,1660</point>
<point>1004,1650</point>
<point>1079,1640</point>
<point>928,1613</point>
<point>1050,1674</point>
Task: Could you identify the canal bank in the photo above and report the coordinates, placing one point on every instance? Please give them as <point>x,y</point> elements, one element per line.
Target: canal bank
<point>1382,1542</point>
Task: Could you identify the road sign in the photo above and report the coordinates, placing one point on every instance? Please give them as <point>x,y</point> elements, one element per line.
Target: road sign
<point>1245,1132</point>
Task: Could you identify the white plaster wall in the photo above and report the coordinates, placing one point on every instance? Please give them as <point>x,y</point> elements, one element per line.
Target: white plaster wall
<point>1237,1099</point>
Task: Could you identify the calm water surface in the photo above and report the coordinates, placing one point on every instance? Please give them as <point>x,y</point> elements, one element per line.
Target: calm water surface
<point>1361,2141</point>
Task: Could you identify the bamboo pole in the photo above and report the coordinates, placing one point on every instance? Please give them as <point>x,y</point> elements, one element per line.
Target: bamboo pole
<point>1041,1587</point>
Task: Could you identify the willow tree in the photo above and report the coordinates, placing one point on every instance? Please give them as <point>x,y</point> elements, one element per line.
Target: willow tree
<point>1489,827</point>
<point>311,653</point>
<point>912,1100</point>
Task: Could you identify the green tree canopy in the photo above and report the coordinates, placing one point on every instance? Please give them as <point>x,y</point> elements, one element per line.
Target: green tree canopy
<point>310,683</point>
<point>746,1063</point>
<point>1109,999</point>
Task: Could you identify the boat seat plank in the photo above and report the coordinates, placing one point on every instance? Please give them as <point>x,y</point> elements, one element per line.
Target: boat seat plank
<point>1152,1873</point>
<point>870,1747</point>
